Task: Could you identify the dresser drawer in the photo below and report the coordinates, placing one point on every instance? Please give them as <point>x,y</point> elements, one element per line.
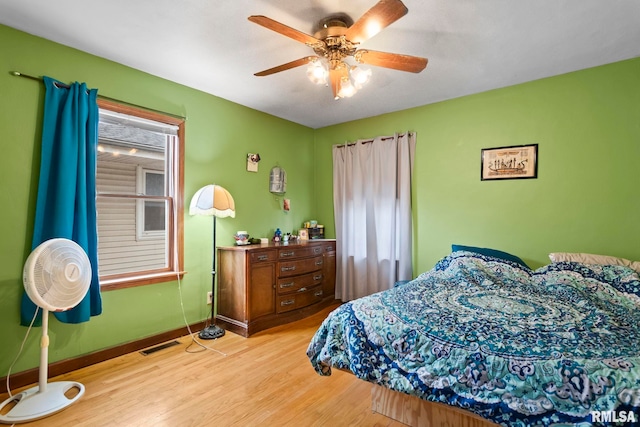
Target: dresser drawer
<point>263,256</point>
<point>300,299</point>
<point>288,285</point>
<point>299,252</point>
<point>330,247</point>
<point>302,266</point>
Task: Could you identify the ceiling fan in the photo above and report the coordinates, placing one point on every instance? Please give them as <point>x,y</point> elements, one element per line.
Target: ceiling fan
<point>337,38</point>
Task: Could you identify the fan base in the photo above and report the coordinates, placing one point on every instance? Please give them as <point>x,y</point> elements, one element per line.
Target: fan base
<point>211,332</point>
<point>32,404</point>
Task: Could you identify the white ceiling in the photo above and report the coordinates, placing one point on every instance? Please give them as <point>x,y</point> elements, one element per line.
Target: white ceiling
<point>472,46</point>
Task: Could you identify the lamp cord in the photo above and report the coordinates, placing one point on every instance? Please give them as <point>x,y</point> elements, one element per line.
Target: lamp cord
<point>194,339</point>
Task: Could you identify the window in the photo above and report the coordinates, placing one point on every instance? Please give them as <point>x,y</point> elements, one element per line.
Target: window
<point>139,196</point>
<point>150,215</point>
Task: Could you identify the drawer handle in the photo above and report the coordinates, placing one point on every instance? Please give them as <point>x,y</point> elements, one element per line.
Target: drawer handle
<point>287,285</point>
<point>319,262</point>
<point>317,294</point>
<point>318,277</point>
<point>317,250</point>
<point>288,268</point>
<point>302,289</point>
<point>263,257</point>
<point>287,254</point>
<point>287,302</point>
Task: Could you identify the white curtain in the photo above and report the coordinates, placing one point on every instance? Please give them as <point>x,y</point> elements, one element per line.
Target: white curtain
<point>372,207</point>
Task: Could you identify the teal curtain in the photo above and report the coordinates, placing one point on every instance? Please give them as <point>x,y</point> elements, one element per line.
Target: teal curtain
<point>66,202</point>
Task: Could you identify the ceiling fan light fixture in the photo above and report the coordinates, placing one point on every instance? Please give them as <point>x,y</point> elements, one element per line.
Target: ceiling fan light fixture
<point>360,76</point>
<point>347,89</point>
<point>318,71</point>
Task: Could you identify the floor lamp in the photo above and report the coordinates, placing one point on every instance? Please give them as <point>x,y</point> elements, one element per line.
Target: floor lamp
<point>215,201</point>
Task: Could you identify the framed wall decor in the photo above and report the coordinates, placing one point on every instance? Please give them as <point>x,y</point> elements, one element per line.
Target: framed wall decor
<point>252,162</point>
<point>514,162</point>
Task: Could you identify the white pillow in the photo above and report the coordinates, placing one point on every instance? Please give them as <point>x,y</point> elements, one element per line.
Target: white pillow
<point>593,259</point>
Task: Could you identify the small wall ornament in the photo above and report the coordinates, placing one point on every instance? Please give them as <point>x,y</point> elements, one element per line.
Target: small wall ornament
<point>278,180</point>
<point>252,162</point>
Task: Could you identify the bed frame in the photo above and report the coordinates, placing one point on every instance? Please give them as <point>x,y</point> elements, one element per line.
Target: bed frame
<point>415,412</point>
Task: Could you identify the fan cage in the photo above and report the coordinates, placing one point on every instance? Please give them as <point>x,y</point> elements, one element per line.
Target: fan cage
<point>57,275</point>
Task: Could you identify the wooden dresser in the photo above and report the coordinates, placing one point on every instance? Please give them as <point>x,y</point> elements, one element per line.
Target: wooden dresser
<point>262,286</point>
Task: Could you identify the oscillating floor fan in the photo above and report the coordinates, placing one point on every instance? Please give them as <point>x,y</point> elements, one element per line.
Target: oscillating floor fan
<point>56,277</point>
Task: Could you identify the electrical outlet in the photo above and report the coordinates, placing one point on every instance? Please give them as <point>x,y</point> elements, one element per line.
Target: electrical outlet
<point>209,298</point>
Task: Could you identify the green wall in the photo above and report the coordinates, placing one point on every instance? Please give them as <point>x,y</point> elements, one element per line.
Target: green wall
<point>219,134</point>
<point>587,125</point>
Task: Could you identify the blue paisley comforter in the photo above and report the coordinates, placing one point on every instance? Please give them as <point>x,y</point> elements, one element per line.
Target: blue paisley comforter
<point>554,346</point>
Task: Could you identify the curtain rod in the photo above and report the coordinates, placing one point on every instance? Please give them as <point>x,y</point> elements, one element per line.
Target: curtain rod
<point>39,79</point>
<point>367,141</point>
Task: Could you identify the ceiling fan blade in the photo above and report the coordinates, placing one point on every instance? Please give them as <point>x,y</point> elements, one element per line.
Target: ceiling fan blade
<point>283,29</point>
<point>287,66</point>
<point>413,64</point>
<point>383,14</point>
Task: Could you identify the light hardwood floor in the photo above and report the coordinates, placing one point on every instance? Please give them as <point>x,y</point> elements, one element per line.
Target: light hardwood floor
<point>264,380</point>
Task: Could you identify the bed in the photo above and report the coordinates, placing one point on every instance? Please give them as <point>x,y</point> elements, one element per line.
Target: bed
<point>555,346</point>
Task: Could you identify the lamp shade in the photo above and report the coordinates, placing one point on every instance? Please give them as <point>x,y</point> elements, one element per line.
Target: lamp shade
<point>212,200</point>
